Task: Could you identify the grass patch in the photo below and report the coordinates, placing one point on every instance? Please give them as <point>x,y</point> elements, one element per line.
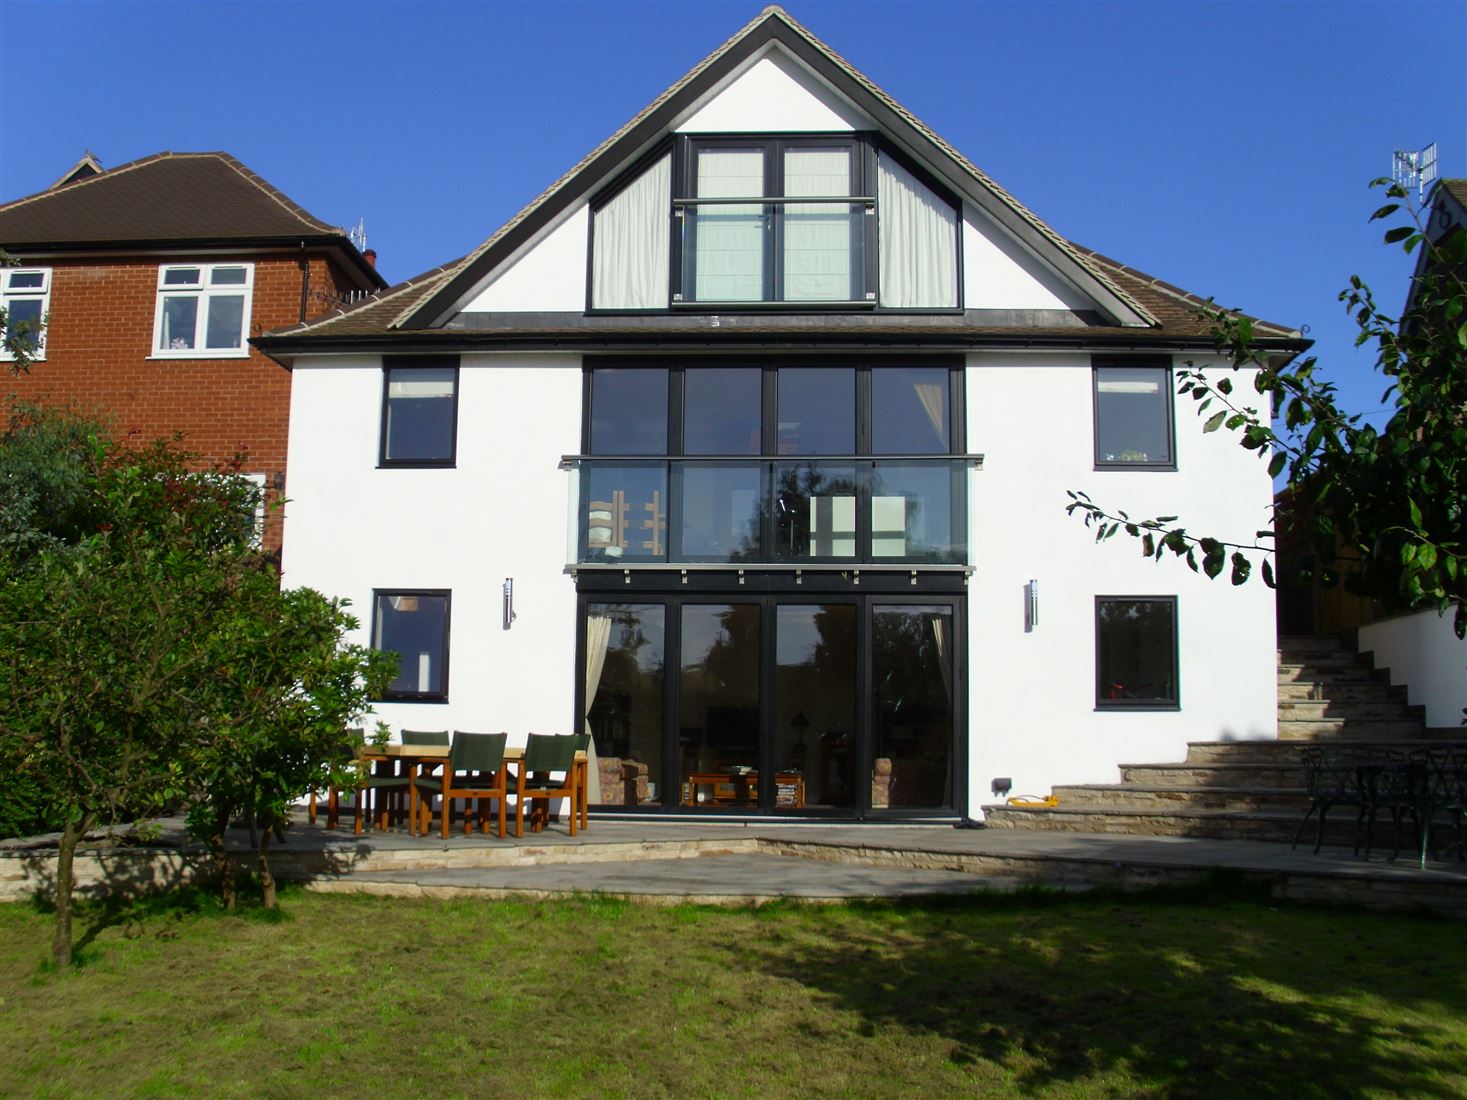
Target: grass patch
<point>1198,991</point>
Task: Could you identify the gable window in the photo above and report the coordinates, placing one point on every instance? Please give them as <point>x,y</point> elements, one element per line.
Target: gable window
<point>1133,413</point>
<point>203,310</point>
<point>1136,653</point>
<point>414,625</point>
<point>25,295</point>
<point>419,411</point>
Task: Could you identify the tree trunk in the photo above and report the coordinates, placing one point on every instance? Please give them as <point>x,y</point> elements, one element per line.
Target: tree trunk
<point>267,880</point>
<point>224,866</point>
<point>71,836</point>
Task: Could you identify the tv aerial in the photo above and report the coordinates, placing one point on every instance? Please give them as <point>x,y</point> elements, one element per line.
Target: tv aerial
<point>1415,169</point>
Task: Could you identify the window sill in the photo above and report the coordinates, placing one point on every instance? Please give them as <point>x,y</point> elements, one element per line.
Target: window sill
<point>1132,708</point>
<point>426,464</point>
<point>412,699</point>
<point>1136,467</point>
<point>232,354</point>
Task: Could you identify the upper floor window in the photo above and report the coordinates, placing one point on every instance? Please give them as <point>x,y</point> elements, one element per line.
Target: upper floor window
<point>1133,413</point>
<point>820,221</point>
<point>419,411</point>
<point>25,295</point>
<point>203,310</point>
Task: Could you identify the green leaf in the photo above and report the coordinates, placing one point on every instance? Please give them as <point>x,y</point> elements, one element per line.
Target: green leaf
<point>1268,573</point>
<point>1415,512</point>
<point>1148,544</point>
<point>1277,463</point>
<point>1399,233</point>
<point>1242,567</point>
<point>1214,422</point>
<point>1385,211</point>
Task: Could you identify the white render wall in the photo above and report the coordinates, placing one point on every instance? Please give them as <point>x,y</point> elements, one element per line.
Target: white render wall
<point>1424,653</point>
<point>1032,713</point>
<point>351,527</point>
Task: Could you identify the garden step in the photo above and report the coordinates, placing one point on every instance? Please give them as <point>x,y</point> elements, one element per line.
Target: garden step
<point>1372,692</point>
<point>1319,658</point>
<point>1168,799</point>
<point>1330,674</point>
<point>1222,824</point>
<point>1333,707</point>
<point>1297,646</point>
<point>1287,752</point>
<point>1284,773</point>
<point>1334,729</point>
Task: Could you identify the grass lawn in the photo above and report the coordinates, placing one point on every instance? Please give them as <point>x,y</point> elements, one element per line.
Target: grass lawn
<point>1035,995</point>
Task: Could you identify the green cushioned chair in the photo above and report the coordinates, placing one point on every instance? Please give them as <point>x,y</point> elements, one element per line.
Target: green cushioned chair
<point>535,781</point>
<point>475,770</point>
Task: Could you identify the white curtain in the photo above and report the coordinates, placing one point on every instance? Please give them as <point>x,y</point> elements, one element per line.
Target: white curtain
<point>933,397</point>
<point>598,639</point>
<point>940,632</point>
<point>630,249</point>
<point>919,241</point>
<point>730,259</point>
<point>817,236</point>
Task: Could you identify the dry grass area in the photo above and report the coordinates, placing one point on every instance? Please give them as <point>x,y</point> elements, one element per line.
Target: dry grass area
<point>1036,995</point>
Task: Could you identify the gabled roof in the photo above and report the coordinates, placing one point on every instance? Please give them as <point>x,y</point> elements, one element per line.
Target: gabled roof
<point>419,312</point>
<point>89,165</point>
<point>167,199</point>
<point>772,25</point>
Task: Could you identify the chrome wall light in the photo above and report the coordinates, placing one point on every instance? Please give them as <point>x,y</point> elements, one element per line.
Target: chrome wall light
<point>509,615</point>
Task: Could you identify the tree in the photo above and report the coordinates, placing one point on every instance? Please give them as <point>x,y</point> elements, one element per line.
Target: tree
<point>148,658</point>
<point>1383,509</point>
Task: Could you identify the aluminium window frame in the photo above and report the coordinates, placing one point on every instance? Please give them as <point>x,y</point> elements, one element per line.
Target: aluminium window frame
<point>390,696</point>
<point>1099,363</point>
<point>1105,705</point>
<point>9,294</point>
<point>391,363</point>
<point>205,292</point>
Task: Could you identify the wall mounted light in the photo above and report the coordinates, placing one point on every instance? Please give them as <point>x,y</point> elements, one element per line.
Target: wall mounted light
<point>1031,606</point>
<point>1001,786</point>
<point>509,615</point>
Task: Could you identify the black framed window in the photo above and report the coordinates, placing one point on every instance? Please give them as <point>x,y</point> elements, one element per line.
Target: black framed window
<point>1133,413</point>
<point>1136,653</point>
<point>747,237</point>
<point>419,411</point>
<point>413,623</point>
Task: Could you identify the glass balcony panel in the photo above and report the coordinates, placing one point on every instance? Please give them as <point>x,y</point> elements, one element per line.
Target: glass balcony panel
<point>625,510</point>
<point>721,513</point>
<point>815,511</point>
<point>912,512</point>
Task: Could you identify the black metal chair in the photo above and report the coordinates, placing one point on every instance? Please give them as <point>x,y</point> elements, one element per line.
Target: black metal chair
<point>1332,777</point>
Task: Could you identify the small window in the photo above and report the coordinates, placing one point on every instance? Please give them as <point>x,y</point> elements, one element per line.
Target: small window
<point>25,295</point>
<point>203,311</point>
<point>414,625</point>
<point>1136,652</point>
<point>419,413</point>
<point>1133,414</point>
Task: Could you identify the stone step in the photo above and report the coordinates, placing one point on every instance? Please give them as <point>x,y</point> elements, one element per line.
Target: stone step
<point>1296,646</point>
<point>1330,674</point>
<point>1221,824</point>
<point>1333,707</point>
<point>1367,692</point>
<point>1284,773</point>
<point>1323,658</point>
<point>1168,799</point>
<point>1287,752</point>
<point>1334,729</point>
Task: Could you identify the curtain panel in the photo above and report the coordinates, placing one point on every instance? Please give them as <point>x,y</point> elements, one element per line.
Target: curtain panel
<point>631,250</point>
<point>919,241</point>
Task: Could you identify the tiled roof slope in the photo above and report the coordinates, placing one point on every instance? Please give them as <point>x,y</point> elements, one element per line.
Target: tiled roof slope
<point>164,197</point>
<point>1456,188</point>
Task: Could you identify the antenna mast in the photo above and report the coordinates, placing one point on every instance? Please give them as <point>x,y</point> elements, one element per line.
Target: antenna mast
<point>1416,169</point>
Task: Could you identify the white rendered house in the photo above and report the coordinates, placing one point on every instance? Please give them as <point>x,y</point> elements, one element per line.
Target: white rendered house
<point>767,410</point>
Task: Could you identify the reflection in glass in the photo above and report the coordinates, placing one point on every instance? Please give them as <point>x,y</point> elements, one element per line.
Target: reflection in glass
<point>718,723</point>
<point>626,512</point>
<point>180,319</point>
<point>25,321</point>
<point>720,511</point>
<point>721,410</point>
<point>815,706</point>
<point>420,411</point>
<point>226,321</point>
<point>1132,415</point>
<point>628,411</point>
<point>412,625</point>
<point>817,411</point>
<point>1136,659</point>
<point>912,707</point>
<point>624,663</point>
<point>815,510</point>
<point>909,410</point>
<point>911,512</point>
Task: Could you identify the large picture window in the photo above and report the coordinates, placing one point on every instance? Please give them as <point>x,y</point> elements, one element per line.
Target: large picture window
<point>414,625</point>
<point>1133,413</point>
<point>1136,653</point>
<point>25,296</point>
<point>419,412</point>
<point>777,462</point>
<point>203,310</point>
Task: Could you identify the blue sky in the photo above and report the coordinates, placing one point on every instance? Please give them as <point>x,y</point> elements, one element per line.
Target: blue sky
<point>1224,147</point>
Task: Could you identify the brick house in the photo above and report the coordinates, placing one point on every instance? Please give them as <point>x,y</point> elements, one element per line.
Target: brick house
<point>151,278</point>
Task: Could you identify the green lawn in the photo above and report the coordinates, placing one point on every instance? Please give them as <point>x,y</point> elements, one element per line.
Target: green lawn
<point>1037,995</point>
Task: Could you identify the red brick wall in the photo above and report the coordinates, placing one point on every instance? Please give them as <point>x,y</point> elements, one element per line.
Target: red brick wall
<point>99,339</point>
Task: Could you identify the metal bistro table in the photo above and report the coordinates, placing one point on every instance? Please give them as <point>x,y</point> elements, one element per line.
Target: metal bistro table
<point>413,757</point>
